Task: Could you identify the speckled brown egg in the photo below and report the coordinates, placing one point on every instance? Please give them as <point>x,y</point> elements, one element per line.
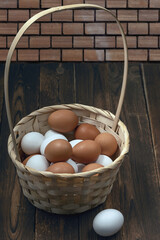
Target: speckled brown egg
<point>58,150</point>
<point>108,143</point>
<point>61,167</point>
<point>86,131</point>
<point>86,151</point>
<point>91,166</point>
<point>63,120</point>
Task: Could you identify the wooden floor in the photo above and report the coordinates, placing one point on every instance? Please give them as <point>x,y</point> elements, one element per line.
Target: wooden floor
<point>136,190</point>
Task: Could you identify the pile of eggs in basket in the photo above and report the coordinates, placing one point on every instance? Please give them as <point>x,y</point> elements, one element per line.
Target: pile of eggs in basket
<point>52,152</point>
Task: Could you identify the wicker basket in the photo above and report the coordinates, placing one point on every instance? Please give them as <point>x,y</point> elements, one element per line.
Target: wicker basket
<point>67,193</point>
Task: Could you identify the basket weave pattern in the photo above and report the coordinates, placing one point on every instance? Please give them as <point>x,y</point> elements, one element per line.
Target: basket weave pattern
<point>68,193</point>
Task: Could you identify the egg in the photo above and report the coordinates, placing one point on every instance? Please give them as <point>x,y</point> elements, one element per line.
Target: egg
<point>104,160</point>
<point>108,222</point>
<point>91,166</point>
<point>86,131</point>
<point>50,139</point>
<point>31,142</point>
<point>80,166</point>
<point>73,164</point>
<point>61,167</point>
<point>108,143</point>
<point>26,159</point>
<point>86,151</point>
<point>63,121</point>
<point>38,162</point>
<point>51,133</point>
<point>58,150</point>
<point>75,142</point>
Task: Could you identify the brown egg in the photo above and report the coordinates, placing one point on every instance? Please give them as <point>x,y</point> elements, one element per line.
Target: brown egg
<point>86,131</point>
<point>26,159</point>
<point>86,151</point>
<point>63,121</point>
<point>58,150</point>
<point>108,143</point>
<point>91,166</point>
<point>61,167</point>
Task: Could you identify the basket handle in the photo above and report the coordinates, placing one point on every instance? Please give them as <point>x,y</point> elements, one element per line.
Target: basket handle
<point>19,35</point>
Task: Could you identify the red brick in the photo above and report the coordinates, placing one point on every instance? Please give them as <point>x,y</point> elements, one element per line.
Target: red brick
<point>95,28</point>
<point>127,15</point>
<point>137,55</point>
<point>8,28</point>
<point>68,2</point>
<point>40,42</point>
<point>23,42</point>
<point>33,29</point>
<point>154,55</point>
<point>46,18</point>
<point>100,2</point>
<point>148,15</point>
<point>62,42</point>
<point>18,15</point>
<point>131,42</point>
<point>137,28</point>
<point>71,55</point>
<point>50,3</point>
<point>49,55</point>
<point>51,28</point>
<point>104,42</point>
<point>63,16</point>
<point>83,42</point>
<point>3,55</point>
<point>94,55</point>
<point>8,4</point>
<point>72,28</point>
<point>3,15</point>
<point>84,15</point>
<point>114,55</point>
<point>102,15</point>
<point>154,4</point>
<point>28,55</point>
<point>154,28</point>
<point>2,42</point>
<point>116,3</point>
<point>112,28</point>
<point>147,42</point>
<point>138,3</point>
<point>29,3</point>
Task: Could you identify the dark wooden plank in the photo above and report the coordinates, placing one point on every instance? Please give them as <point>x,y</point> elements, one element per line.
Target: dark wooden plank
<point>1,88</point>
<point>17,214</point>
<point>135,191</point>
<point>151,73</point>
<point>56,87</point>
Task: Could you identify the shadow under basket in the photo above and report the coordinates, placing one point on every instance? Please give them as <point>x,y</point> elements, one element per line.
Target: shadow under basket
<point>69,193</point>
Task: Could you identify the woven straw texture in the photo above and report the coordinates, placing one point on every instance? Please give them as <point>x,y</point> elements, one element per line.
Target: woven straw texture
<point>68,193</point>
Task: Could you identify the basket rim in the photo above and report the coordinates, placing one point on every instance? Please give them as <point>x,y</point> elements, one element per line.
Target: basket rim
<point>117,162</point>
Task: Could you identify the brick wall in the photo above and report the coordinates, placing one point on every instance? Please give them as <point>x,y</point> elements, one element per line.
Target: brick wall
<point>81,35</point>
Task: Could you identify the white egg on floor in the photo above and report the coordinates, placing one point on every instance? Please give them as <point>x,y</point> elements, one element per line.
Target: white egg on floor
<point>51,133</point>
<point>73,164</point>
<point>75,142</point>
<point>38,162</point>
<point>104,160</point>
<point>80,166</point>
<point>108,222</point>
<point>50,139</point>
<point>31,142</point>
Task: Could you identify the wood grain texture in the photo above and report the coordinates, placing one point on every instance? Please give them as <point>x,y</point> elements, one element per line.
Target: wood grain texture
<point>17,214</point>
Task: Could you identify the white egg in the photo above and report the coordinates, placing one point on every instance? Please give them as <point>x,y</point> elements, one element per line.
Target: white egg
<point>73,164</point>
<point>108,222</point>
<point>104,160</point>
<point>75,142</point>
<point>31,142</point>
<point>38,162</point>
<point>48,140</point>
<point>80,166</point>
<point>51,133</point>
